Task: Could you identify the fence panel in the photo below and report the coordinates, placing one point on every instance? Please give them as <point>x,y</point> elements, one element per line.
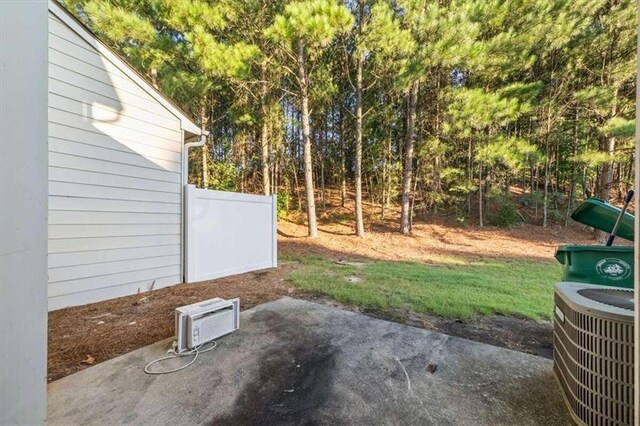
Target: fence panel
<point>228,233</point>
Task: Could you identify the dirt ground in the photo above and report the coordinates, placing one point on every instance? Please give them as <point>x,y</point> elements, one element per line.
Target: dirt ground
<point>86,335</point>
<point>433,239</point>
<point>82,336</point>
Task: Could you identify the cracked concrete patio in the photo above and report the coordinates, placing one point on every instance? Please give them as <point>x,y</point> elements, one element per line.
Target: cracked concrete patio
<point>297,362</point>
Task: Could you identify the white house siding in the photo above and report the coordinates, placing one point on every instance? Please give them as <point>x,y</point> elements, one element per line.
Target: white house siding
<point>114,178</point>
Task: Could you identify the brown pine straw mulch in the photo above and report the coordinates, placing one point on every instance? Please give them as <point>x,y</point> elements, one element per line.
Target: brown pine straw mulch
<point>85,335</point>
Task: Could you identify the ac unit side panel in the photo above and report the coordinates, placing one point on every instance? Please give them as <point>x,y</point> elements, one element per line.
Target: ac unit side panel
<point>236,306</point>
<point>593,361</point>
<point>181,331</point>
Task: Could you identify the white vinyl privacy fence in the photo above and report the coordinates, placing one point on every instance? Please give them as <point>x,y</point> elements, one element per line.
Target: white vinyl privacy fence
<point>228,233</point>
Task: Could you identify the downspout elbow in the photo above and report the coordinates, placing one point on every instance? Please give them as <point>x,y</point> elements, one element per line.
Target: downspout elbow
<point>185,153</point>
<point>203,139</point>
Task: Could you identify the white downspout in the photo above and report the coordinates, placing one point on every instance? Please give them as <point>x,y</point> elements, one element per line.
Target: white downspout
<point>185,156</point>
<point>185,198</point>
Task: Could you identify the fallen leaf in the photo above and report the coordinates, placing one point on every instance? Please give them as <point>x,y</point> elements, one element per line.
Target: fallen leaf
<point>89,361</point>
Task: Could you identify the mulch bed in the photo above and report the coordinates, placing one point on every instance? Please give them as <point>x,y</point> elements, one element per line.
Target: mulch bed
<point>85,335</point>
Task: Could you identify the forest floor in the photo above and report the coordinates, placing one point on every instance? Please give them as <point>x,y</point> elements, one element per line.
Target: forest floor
<point>406,279</point>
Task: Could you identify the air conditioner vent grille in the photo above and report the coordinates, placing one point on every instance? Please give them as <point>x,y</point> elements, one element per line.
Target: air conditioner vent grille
<point>593,360</point>
<point>617,297</point>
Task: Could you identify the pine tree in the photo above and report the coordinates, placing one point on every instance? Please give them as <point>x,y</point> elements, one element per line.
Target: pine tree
<point>301,32</point>
<point>381,48</point>
<point>425,104</point>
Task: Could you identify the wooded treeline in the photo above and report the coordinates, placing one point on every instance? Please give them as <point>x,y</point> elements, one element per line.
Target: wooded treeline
<point>430,104</point>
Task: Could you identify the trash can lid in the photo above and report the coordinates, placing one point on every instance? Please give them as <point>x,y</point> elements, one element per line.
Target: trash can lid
<point>600,215</point>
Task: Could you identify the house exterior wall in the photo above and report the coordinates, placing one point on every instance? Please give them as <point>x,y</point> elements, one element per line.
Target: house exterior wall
<point>115,160</point>
<point>636,245</point>
<point>23,212</point>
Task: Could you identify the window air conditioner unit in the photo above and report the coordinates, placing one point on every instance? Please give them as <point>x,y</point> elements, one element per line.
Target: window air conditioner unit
<point>205,321</point>
<point>593,352</point>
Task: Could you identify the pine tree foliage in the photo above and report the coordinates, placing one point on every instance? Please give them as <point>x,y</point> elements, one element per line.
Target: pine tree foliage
<point>428,106</point>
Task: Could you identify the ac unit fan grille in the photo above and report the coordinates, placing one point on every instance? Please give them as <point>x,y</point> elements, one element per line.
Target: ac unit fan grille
<point>617,297</point>
<point>595,366</point>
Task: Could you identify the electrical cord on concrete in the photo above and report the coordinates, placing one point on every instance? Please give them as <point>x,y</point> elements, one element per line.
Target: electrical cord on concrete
<point>173,354</point>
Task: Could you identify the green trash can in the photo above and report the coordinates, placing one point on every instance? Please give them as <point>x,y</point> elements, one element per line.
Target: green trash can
<point>612,266</point>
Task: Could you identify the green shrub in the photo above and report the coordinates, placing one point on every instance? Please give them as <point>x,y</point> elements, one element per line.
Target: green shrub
<point>530,199</point>
<point>555,216</point>
<point>283,204</point>
<point>223,176</point>
<point>505,216</point>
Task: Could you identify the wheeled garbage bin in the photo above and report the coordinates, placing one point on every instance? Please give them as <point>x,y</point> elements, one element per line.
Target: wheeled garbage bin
<point>594,264</point>
<point>612,266</point>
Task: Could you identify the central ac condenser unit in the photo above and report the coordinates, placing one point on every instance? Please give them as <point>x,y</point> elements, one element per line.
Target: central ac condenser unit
<point>205,321</point>
<point>593,352</point>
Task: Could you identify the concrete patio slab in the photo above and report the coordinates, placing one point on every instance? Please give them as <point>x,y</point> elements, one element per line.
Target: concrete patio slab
<point>296,362</point>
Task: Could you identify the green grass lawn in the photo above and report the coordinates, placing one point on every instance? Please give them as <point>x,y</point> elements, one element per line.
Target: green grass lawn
<point>523,289</point>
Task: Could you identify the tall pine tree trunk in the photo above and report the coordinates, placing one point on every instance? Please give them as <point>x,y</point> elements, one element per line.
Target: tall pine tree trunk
<point>321,143</point>
<point>306,137</point>
<point>358,169</point>
<point>437,181</point>
<point>243,160</point>
<point>264,136</point>
<point>205,149</point>
<point>607,145</point>
<point>389,170</point>
<point>545,202</point>
<point>469,174</point>
<point>606,175</point>
<point>606,178</point>
<point>343,163</point>
<point>154,77</point>
<point>383,203</point>
<point>415,191</point>
<point>480,196</point>
<point>547,171</point>
<point>405,223</point>
<point>572,186</point>
<point>386,172</point>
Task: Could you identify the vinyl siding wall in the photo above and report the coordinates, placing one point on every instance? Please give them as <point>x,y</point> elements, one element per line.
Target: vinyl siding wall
<point>114,179</point>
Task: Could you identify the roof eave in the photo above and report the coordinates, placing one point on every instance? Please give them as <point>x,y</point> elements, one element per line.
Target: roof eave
<point>187,123</point>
